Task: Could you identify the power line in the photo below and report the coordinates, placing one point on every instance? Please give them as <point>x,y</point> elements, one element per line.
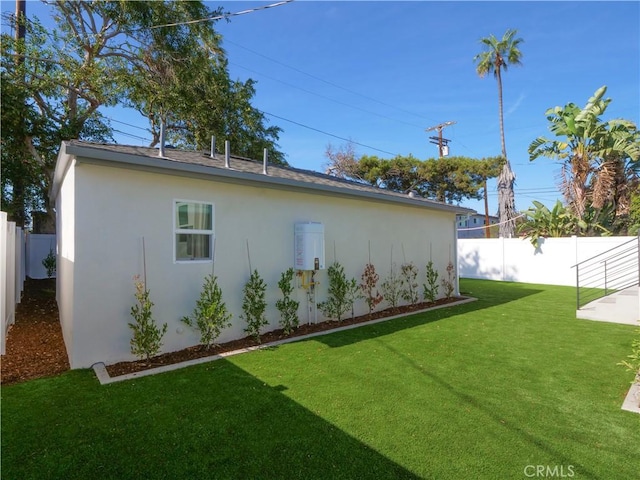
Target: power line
<point>224,15</point>
<point>127,124</point>
<point>329,134</point>
<point>126,134</point>
<point>326,98</point>
<point>323,80</point>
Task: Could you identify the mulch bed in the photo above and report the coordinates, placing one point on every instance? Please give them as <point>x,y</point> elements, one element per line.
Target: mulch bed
<point>200,351</point>
<point>35,347</point>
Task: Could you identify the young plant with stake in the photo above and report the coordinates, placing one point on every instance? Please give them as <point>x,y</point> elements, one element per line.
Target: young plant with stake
<point>337,304</point>
<point>254,305</point>
<point>368,286</point>
<point>391,288</point>
<point>448,283</point>
<point>210,316</point>
<point>353,294</point>
<point>409,288</point>
<point>287,306</point>
<point>147,335</point>
<point>430,289</point>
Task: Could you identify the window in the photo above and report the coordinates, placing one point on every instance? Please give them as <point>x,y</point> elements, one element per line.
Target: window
<point>193,231</point>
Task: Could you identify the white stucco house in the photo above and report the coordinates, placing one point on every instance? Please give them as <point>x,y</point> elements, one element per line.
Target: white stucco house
<point>112,199</point>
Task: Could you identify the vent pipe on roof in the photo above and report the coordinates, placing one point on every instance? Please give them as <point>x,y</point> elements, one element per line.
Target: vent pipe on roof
<point>213,146</point>
<point>227,153</point>
<point>265,158</point>
<point>161,149</point>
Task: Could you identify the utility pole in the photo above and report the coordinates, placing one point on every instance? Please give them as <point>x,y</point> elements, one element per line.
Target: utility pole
<point>441,142</point>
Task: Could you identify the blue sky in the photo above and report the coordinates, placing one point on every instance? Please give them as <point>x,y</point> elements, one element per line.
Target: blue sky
<point>380,73</point>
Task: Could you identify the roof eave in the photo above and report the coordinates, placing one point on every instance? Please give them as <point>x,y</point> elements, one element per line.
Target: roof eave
<point>87,154</point>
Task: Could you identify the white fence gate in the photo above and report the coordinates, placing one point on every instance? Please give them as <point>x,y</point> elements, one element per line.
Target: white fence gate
<point>516,260</point>
<point>38,246</point>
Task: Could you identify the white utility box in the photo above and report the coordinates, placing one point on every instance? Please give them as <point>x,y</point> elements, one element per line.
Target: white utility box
<point>309,246</point>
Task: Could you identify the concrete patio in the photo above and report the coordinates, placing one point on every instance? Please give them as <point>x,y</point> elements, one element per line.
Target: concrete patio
<point>619,307</point>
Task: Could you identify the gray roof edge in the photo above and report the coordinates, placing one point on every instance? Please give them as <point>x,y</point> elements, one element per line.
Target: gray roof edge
<point>87,154</point>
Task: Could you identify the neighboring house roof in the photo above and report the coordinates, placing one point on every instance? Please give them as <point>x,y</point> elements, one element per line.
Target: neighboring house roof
<point>241,170</point>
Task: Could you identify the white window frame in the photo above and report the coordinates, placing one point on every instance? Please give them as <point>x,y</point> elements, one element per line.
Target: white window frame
<point>181,231</point>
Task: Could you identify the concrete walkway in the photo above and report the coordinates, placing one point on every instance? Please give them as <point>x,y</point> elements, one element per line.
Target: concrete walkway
<point>619,307</point>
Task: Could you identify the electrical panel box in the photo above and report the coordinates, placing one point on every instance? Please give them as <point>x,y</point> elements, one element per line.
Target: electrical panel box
<point>309,246</point>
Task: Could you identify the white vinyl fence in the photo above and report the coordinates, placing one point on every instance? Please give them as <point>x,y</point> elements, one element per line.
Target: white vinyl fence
<point>38,246</point>
<point>12,274</point>
<point>516,260</point>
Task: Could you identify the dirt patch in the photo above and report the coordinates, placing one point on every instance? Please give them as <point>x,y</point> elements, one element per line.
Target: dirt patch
<point>35,347</point>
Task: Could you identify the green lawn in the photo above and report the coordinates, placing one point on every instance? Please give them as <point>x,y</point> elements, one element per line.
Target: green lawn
<point>478,391</point>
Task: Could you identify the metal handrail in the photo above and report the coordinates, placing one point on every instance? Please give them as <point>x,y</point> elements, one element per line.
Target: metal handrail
<point>607,251</point>
<point>602,276</point>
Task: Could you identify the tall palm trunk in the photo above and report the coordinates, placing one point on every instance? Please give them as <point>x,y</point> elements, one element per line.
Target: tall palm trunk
<point>506,179</point>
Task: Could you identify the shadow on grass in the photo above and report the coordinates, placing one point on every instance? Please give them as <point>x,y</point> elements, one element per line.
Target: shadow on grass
<point>186,425</point>
<point>488,293</point>
<point>474,402</point>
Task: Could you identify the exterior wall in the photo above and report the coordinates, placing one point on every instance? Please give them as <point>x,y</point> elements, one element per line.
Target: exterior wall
<point>65,261</point>
<point>516,260</point>
<point>116,208</point>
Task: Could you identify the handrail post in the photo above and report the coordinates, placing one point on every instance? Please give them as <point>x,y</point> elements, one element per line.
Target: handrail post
<point>605,278</point>
<point>577,287</point>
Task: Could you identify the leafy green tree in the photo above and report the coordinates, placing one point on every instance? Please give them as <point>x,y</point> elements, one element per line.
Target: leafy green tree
<point>181,78</point>
<point>448,179</point>
<point>497,56</point>
<point>102,54</point>
<point>599,159</point>
<point>452,179</point>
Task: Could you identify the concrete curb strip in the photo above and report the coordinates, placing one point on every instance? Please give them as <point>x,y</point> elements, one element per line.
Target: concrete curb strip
<point>632,400</point>
<point>104,378</point>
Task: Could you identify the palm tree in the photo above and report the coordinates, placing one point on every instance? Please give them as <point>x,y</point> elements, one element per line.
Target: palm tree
<point>498,55</point>
<point>599,159</point>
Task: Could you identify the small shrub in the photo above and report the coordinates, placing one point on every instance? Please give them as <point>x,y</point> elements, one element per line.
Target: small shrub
<point>448,283</point>
<point>353,294</point>
<point>632,363</point>
<point>210,316</point>
<point>254,305</point>
<point>409,286</point>
<point>147,335</point>
<point>49,262</point>
<point>337,303</point>
<point>286,305</point>
<point>391,288</point>
<point>430,289</point>
<point>370,293</point>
